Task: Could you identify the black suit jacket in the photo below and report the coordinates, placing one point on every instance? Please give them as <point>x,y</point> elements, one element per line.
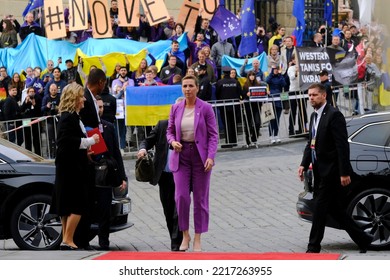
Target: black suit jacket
<point>112,144</point>
<point>332,147</point>
<point>157,138</point>
<point>88,114</point>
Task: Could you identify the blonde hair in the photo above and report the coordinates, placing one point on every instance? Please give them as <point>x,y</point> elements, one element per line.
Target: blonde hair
<point>69,97</point>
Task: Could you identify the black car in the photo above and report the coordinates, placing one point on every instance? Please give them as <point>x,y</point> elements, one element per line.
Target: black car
<point>368,197</point>
<point>26,186</point>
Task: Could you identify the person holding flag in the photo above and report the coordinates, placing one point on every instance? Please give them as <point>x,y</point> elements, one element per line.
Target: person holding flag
<point>299,14</point>
<point>248,44</point>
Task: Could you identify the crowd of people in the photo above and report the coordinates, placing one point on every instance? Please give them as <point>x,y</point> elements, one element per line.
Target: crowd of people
<point>202,58</point>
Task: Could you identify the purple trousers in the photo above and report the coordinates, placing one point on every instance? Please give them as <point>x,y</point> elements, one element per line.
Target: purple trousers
<point>191,177</point>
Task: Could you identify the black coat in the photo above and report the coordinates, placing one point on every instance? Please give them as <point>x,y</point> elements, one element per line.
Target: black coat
<point>88,114</point>
<point>71,188</point>
<point>11,109</point>
<point>112,144</point>
<point>332,148</point>
<point>157,138</point>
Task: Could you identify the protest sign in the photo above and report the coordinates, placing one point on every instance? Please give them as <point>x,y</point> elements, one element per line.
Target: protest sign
<point>54,19</point>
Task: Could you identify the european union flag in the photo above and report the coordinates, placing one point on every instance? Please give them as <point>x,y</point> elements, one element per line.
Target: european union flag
<point>225,23</point>
<point>27,8</point>
<point>299,14</point>
<point>328,10</point>
<point>32,5</point>
<point>248,42</point>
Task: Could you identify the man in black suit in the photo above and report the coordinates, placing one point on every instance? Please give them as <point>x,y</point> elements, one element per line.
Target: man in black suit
<point>90,118</point>
<point>104,195</point>
<point>328,151</point>
<point>96,82</point>
<point>164,177</point>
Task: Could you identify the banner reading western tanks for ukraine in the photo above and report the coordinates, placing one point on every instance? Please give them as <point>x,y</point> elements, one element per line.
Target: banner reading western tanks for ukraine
<point>146,105</point>
<point>311,61</point>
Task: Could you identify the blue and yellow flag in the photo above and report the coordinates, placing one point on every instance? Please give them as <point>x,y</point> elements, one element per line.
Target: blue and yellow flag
<point>146,105</point>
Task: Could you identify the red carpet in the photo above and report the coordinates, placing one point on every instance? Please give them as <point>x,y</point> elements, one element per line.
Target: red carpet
<point>119,255</point>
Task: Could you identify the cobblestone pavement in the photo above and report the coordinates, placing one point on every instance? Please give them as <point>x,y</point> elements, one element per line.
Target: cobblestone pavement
<point>252,209</point>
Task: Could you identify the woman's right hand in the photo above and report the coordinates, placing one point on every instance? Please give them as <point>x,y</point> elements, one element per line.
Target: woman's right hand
<point>176,146</point>
<point>96,138</point>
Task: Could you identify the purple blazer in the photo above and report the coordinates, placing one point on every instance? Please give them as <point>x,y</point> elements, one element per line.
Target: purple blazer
<point>206,133</point>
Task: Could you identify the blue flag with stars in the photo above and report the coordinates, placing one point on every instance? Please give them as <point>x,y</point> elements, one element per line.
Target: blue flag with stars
<point>299,14</point>
<point>248,42</point>
<point>27,8</point>
<point>32,5</point>
<point>328,10</point>
<point>225,23</point>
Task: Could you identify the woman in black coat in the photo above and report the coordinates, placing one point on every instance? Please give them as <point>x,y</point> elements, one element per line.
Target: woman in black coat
<point>71,191</point>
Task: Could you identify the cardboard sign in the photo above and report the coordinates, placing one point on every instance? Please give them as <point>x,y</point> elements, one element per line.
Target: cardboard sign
<point>187,16</point>
<point>78,15</point>
<point>54,19</point>
<point>155,11</point>
<point>100,16</point>
<point>128,13</point>
<point>209,7</point>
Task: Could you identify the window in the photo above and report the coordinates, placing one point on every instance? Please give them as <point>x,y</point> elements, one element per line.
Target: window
<point>375,134</point>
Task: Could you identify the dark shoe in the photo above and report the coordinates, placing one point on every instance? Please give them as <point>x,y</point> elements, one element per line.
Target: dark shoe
<point>175,248</point>
<point>362,249</point>
<point>88,248</point>
<point>66,247</point>
<point>227,146</point>
<point>103,248</point>
<point>310,251</point>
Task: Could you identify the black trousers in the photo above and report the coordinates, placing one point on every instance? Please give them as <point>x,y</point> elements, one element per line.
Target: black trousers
<point>252,122</point>
<point>32,138</point>
<point>83,233</point>
<point>167,197</point>
<point>103,201</point>
<point>230,116</point>
<point>328,199</point>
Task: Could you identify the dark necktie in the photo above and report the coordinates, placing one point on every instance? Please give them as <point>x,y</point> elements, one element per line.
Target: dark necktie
<point>313,126</point>
<point>313,138</point>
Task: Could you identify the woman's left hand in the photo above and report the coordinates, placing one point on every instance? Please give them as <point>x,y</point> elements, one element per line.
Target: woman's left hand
<point>208,165</point>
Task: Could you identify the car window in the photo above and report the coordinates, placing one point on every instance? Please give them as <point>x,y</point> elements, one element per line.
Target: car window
<point>17,153</point>
<point>375,134</point>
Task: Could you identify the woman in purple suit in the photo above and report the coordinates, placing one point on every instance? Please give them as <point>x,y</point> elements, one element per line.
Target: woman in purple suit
<point>193,137</point>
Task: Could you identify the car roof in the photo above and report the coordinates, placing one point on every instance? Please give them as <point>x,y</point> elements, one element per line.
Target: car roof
<point>356,122</point>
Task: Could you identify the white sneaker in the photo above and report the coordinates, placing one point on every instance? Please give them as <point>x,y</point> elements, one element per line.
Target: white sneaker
<point>277,140</point>
<point>122,152</point>
<point>273,141</point>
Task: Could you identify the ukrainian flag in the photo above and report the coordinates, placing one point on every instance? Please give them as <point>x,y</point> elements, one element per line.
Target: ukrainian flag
<point>146,105</point>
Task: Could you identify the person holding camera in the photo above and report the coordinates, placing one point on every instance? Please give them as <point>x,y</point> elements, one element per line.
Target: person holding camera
<point>262,40</point>
<point>49,107</point>
<point>317,41</point>
<point>31,109</point>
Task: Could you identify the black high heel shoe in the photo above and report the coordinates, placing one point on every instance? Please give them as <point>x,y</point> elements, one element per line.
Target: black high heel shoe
<point>67,247</point>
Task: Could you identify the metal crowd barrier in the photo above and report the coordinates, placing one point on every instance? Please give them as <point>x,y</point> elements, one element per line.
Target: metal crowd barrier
<point>239,122</point>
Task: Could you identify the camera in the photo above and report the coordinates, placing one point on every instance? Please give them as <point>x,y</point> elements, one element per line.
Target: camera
<point>322,30</point>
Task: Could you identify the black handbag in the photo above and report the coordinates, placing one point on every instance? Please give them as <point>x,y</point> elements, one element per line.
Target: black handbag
<point>107,173</point>
<point>144,168</point>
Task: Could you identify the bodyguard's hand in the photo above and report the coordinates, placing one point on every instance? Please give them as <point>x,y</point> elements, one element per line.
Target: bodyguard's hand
<point>123,186</point>
<point>345,180</point>
<point>301,169</point>
<point>141,153</point>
